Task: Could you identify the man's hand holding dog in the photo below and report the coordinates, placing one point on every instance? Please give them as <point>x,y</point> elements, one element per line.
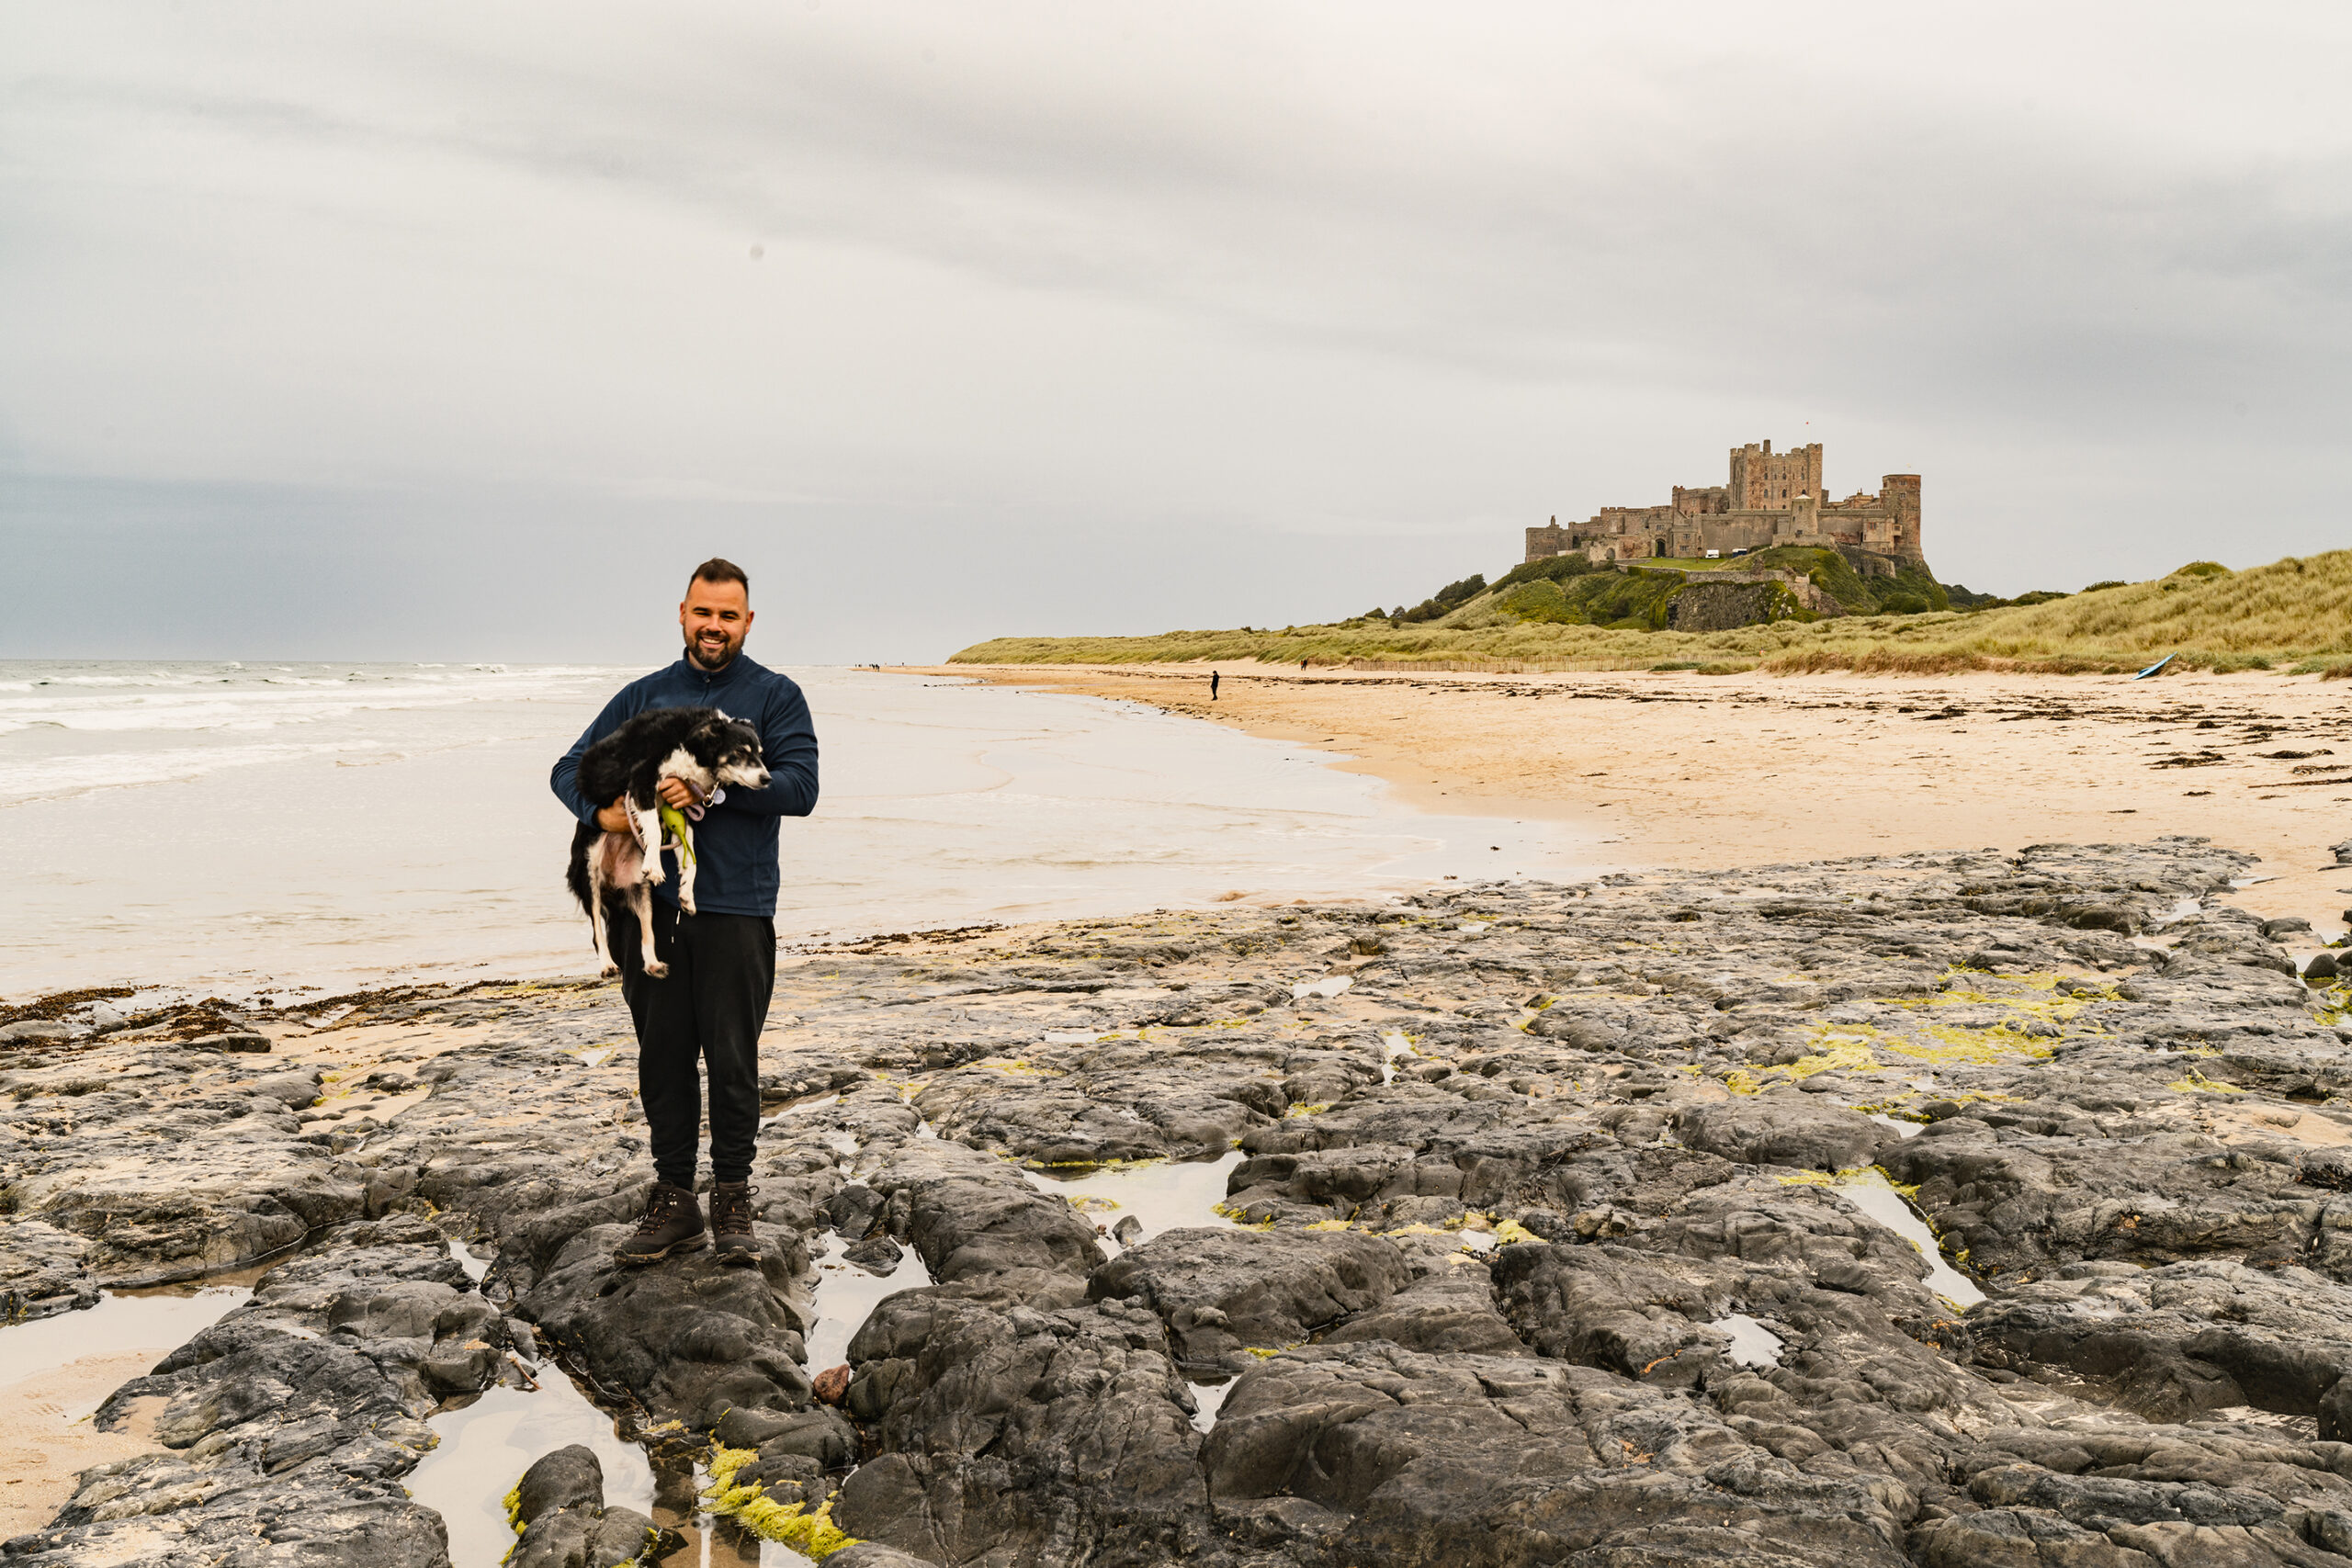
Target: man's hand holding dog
<point>674,793</point>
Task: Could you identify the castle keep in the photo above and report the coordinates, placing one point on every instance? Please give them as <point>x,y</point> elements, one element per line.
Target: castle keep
<point>1774,498</point>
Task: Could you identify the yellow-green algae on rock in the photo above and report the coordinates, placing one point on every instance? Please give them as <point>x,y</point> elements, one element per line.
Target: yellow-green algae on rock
<point>813,1535</point>
<point>1863,1047</point>
<point>2195,1082</point>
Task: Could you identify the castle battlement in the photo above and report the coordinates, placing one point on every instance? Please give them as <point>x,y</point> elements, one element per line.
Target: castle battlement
<point>1771,498</point>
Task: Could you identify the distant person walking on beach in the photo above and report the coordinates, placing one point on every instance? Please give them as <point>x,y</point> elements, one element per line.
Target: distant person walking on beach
<point>1212,685</point>
<point>707,1014</point>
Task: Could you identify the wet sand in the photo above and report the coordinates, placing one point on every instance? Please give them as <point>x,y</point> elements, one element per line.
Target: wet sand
<point>1685,770</point>
<point>43,1451</point>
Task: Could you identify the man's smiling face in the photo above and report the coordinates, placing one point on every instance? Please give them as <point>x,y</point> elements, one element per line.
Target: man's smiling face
<point>716,617</point>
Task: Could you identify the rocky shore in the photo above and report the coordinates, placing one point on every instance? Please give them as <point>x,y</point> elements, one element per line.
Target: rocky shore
<point>1545,1224</point>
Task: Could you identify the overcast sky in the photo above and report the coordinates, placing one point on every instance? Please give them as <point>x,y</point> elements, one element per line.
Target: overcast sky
<point>447,330</point>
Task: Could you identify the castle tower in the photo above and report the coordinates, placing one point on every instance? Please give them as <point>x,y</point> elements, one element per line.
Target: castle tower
<point>1762,480</point>
<point>1899,493</point>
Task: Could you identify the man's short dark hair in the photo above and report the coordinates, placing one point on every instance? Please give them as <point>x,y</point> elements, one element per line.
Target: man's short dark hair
<point>719,569</point>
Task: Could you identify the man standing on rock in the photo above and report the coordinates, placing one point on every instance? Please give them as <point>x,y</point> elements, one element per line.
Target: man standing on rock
<point>709,1012</point>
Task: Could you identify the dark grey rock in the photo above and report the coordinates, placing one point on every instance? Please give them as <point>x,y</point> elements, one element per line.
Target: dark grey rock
<point>567,1478</point>
<point>279,1447</point>
<point>41,1271</point>
<point>690,1338</point>
<point>294,1088</point>
<point>242,1043</point>
<point>560,1504</point>
<point>1386,1456</point>
<point>590,1537</point>
<point>874,1554</point>
<point>1226,1293</point>
<point>1020,1435</point>
<point>816,1433</point>
<point>875,1254</point>
<point>1779,1130</point>
<point>974,1219</point>
<point>2182,1340</point>
<point>1448,1311</point>
<point>854,1209</point>
<point>1708,1356</point>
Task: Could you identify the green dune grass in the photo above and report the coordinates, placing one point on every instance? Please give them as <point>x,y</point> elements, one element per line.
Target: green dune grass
<point>2294,614</point>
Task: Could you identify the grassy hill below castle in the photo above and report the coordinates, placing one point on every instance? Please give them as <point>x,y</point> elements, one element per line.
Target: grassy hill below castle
<point>2295,613</point>
<point>1570,590</point>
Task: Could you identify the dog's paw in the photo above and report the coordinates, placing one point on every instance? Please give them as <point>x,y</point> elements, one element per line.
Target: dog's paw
<point>607,970</point>
<point>686,902</point>
<point>654,874</point>
<point>657,971</point>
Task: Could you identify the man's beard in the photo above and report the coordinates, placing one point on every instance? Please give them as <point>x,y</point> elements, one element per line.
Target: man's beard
<point>695,656</point>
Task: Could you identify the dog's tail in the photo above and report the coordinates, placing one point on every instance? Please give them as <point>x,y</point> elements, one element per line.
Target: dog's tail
<point>575,875</point>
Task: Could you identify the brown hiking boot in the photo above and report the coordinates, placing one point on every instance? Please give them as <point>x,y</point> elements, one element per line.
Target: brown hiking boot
<point>730,1222</point>
<point>673,1222</point>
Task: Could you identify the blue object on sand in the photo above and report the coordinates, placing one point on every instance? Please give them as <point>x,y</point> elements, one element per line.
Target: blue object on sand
<point>2151,668</point>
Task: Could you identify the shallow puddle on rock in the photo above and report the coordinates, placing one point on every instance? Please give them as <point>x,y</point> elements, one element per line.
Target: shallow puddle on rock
<point>1210,1397</point>
<point>1162,1194</point>
<point>166,1319</point>
<point>1902,1129</point>
<point>1873,1195</point>
<point>1752,1344</point>
<point>1393,1045</point>
<point>1330,985</point>
<point>802,1108</point>
<point>846,1296</point>
<point>486,1447</point>
<point>475,1268</point>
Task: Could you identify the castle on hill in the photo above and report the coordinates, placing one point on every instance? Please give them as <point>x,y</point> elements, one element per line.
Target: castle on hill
<point>1774,498</point>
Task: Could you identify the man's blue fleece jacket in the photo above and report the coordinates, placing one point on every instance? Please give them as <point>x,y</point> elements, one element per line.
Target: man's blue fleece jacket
<point>735,843</point>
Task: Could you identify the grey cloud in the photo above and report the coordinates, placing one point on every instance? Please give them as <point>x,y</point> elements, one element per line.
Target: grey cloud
<point>1132,279</point>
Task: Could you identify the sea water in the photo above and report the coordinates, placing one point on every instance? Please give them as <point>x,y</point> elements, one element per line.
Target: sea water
<point>261,825</point>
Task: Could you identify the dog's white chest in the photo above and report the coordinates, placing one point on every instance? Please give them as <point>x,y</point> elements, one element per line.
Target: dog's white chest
<point>681,764</point>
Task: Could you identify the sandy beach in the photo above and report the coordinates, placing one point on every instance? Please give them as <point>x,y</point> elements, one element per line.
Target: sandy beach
<point>1676,770</point>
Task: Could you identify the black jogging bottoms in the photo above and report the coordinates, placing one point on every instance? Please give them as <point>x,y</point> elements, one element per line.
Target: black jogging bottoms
<point>707,1015</point>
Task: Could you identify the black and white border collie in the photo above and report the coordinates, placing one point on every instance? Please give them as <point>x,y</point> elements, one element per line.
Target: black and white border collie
<point>701,746</point>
